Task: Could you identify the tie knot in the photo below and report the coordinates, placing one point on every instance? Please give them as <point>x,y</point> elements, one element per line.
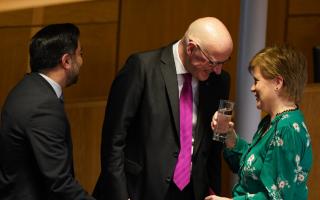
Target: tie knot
<point>187,77</point>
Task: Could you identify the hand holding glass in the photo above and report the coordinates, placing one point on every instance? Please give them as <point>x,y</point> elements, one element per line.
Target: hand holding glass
<point>221,119</point>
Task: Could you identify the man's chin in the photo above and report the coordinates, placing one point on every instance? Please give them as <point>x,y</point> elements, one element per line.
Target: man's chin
<point>203,76</point>
<point>72,81</point>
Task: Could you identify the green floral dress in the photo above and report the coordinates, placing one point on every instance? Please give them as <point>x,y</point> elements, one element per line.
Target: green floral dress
<point>277,162</point>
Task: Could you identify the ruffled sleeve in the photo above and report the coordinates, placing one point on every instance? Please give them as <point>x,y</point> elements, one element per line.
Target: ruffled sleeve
<point>233,156</point>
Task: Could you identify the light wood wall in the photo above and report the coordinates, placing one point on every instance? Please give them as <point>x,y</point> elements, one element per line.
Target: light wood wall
<point>311,110</point>
<point>14,5</point>
<point>297,23</point>
<point>113,29</point>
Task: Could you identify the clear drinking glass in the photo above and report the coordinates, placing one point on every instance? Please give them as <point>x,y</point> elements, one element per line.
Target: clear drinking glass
<point>224,117</point>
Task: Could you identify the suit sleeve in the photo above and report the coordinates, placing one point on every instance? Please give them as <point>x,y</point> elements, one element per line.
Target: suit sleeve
<point>220,88</point>
<point>50,141</point>
<point>123,103</point>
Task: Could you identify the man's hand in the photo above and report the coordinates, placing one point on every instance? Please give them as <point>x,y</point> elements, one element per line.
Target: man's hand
<point>214,197</point>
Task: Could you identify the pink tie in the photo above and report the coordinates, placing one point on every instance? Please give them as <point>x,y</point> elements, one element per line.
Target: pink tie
<point>182,172</point>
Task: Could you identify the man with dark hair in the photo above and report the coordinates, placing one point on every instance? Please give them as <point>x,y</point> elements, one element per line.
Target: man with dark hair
<point>36,161</point>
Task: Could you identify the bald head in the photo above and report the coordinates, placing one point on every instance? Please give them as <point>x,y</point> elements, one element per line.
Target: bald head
<point>212,35</point>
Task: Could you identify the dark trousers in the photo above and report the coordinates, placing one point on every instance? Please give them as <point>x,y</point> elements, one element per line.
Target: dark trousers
<point>174,193</point>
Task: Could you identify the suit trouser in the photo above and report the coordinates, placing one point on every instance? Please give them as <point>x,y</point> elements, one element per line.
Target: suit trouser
<point>174,193</point>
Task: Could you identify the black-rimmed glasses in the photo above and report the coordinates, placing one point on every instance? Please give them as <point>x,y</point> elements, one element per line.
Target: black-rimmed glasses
<point>213,63</point>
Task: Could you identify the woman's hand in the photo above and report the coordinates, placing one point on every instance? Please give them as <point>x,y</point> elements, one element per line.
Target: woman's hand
<point>214,121</point>
<point>214,197</point>
<point>231,139</point>
<point>223,128</point>
<point>231,136</point>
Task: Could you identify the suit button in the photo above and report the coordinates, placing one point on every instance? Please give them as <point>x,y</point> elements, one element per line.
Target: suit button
<point>168,179</point>
<point>175,154</point>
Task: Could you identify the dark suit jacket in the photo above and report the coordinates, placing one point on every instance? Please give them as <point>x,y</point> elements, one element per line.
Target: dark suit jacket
<point>140,139</point>
<point>35,145</point>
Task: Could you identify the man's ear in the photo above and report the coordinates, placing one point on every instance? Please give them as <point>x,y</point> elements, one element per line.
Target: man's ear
<point>66,60</point>
<point>190,46</point>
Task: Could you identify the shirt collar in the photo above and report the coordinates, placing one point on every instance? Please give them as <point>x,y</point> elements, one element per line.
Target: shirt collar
<point>177,61</point>
<point>56,87</point>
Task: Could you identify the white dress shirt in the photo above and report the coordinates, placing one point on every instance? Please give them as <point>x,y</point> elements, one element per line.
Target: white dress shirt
<point>180,71</point>
<point>56,87</point>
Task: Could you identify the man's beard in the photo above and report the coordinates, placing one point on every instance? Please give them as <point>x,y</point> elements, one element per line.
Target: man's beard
<point>72,77</point>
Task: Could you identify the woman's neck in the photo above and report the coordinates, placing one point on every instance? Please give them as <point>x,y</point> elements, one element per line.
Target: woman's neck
<point>281,108</point>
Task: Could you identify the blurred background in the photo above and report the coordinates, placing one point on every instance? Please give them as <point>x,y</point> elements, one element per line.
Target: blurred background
<point>111,30</point>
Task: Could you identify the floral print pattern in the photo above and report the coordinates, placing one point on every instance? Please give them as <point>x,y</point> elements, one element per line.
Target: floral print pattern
<point>307,134</point>
<point>277,141</point>
<point>274,192</point>
<point>249,169</point>
<point>276,164</point>
<point>296,126</point>
<point>300,175</point>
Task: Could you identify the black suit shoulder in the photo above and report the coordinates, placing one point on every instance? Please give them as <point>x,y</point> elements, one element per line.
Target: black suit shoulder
<point>35,145</point>
<point>140,68</point>
<point>27,96</point>
<point>151,58</point>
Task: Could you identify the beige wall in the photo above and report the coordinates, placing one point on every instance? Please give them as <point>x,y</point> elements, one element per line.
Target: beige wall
<point>113,29</point>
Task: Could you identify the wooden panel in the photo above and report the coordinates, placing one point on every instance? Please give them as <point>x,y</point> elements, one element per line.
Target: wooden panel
<point>167,21</point>
<point>86,122</point>
<point>11,5</point>
<point>99,48</point>
<point>311,109</point>
<point>302,7</point>
<point>86,12</point>
<point>149,24</point>
<point>13,59</point>
<point>16,18</point>
<point>303,33</point>
<point>276,23</point>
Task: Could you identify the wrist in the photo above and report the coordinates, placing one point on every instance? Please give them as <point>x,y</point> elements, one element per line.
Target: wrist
<point>231,139</point>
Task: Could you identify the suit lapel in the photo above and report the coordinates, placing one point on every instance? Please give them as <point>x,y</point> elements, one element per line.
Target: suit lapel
<point>170,78</point>
<point>199,133</point>
<point>208,101</point>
